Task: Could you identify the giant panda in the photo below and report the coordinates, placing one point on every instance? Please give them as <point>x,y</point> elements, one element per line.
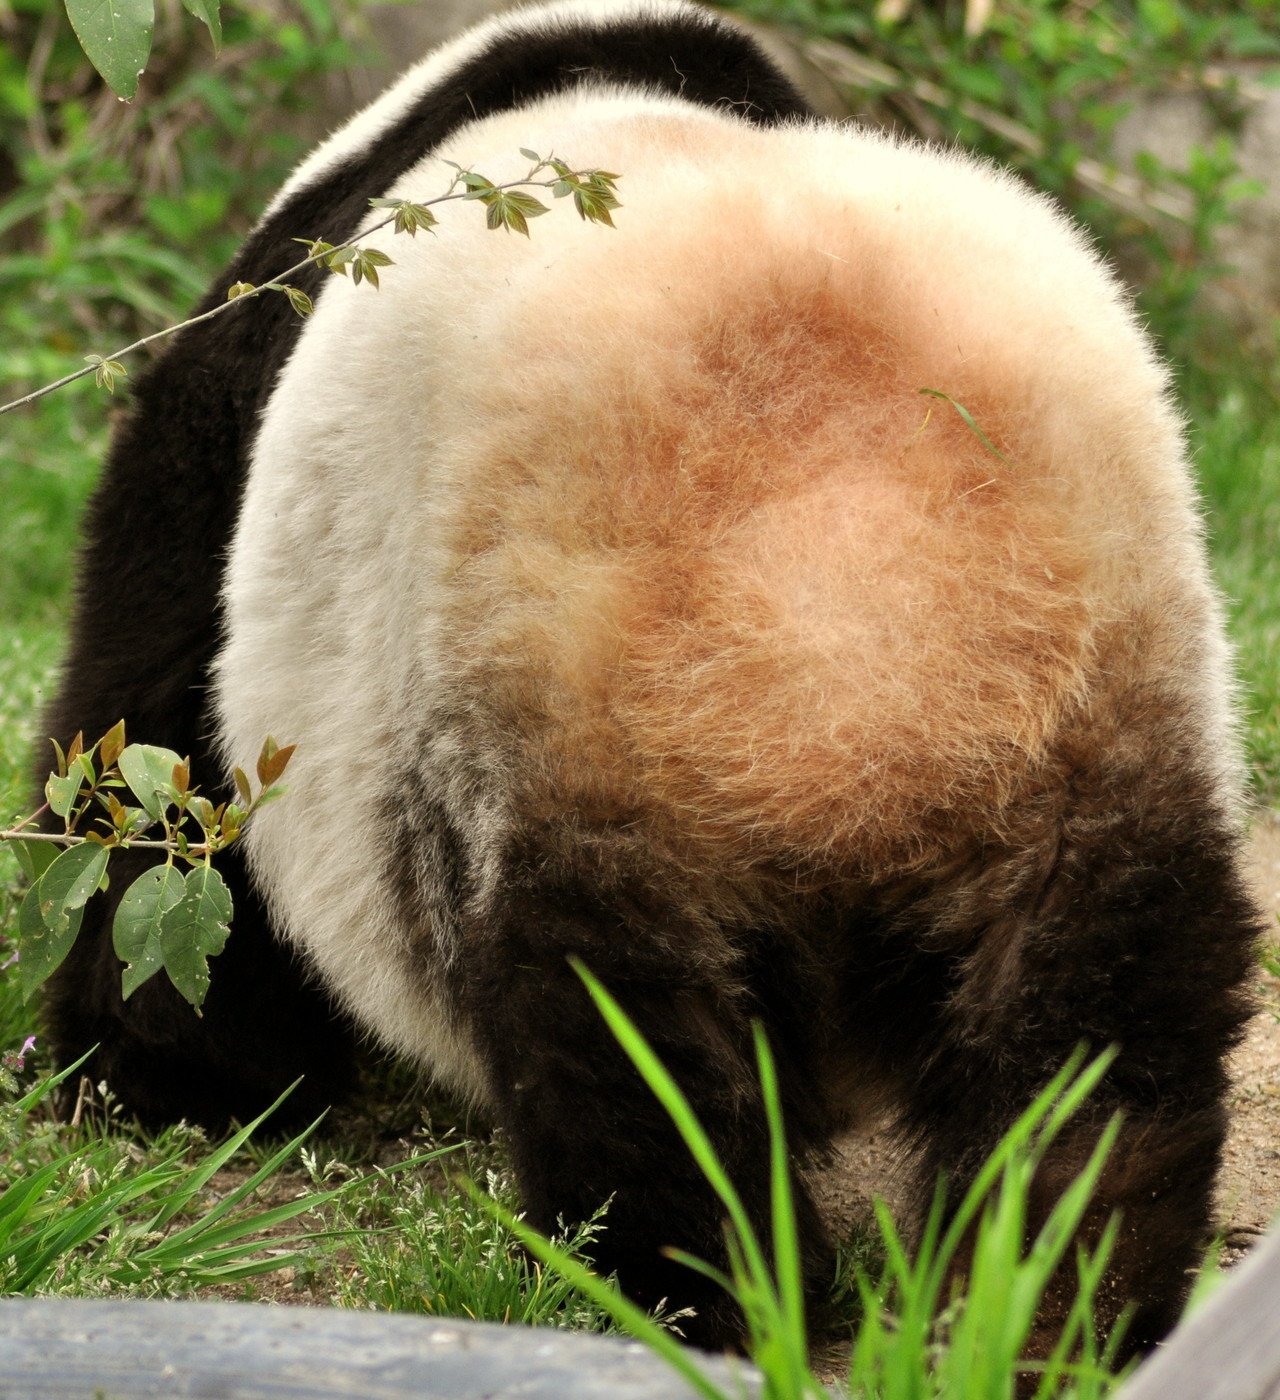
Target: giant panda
<point>792,603</point>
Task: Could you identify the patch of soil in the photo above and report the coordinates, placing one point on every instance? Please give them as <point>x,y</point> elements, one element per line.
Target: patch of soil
<point>1249,1184</point>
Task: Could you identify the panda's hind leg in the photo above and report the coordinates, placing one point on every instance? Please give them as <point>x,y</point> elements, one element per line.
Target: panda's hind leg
<point>582,1126</point>
<point>1128,925</point>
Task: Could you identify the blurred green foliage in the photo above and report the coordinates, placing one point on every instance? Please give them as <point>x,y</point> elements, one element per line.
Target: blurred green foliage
<point>113,217</point>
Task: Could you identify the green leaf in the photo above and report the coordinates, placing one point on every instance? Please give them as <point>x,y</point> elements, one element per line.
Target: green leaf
<point>52,910</point>
<point>410,217</point>
<point>475,185</point>
<point>149,772</point>
<point>106,372</point>
<point>316,247</point>
<point>116,36</point>
<point>299,300</point>
<point>62,792</point>
<point>365,265</point>
<point>240,289</point>
<point>206,11</point>
<point>71,877</point>
<point>194,930</point>
<point>135,933</point>
<point>512,210</point>
<point>35,857</point>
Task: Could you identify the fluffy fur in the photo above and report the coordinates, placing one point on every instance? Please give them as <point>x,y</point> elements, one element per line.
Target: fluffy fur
<point>630,600</point>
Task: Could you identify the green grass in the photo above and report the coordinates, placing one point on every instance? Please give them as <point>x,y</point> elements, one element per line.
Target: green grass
<point>916,1337</point>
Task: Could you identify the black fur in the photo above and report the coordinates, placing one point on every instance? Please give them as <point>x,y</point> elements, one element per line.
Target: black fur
<point>1125,922</point>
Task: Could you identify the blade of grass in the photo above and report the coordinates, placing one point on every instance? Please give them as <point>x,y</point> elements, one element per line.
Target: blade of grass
<point>605,1295</point>
<point>673,1100</point>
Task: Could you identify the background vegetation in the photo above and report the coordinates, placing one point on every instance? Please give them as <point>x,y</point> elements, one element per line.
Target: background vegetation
<point>113,218</point>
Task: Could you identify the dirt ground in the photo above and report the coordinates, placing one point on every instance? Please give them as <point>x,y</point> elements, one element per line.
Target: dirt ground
<point>1249,1186</point>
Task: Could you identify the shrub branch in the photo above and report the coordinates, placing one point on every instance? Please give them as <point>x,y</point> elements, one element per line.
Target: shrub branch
<point>594,197</point>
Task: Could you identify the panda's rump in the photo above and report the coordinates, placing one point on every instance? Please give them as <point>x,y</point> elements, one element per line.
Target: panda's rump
<point>748,581</point>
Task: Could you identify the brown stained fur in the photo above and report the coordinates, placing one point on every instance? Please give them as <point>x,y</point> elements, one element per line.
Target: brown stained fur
<point>775,563</point>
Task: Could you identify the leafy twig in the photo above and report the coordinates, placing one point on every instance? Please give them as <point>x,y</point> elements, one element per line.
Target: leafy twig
<point>593,195</point>
<point>165,919</point>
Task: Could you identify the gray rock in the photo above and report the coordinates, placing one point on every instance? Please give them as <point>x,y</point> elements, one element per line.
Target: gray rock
<point>73,1349</point>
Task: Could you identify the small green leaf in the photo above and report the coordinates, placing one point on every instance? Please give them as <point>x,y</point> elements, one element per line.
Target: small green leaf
<point>316,247</point>
<point>135,932</point>
<point>299,300</point>
<point>969,421</point>
<point>475,185</point>
<point>530,155</point>
<point>409,217</point>
<point>149,772</point>
<point>365,264</point>
<point>512,210</point>
<point>106,372</point>
<point>116,37</point>
<point>61,793</point>
<point>206,11</point>
<point>194,930</point>
<point>242,786</point>
<point>268,795</point>
<point>240,289</point>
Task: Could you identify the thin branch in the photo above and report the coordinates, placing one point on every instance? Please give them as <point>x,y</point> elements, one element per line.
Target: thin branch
<point>274,285</point>
<point>59,838</point>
